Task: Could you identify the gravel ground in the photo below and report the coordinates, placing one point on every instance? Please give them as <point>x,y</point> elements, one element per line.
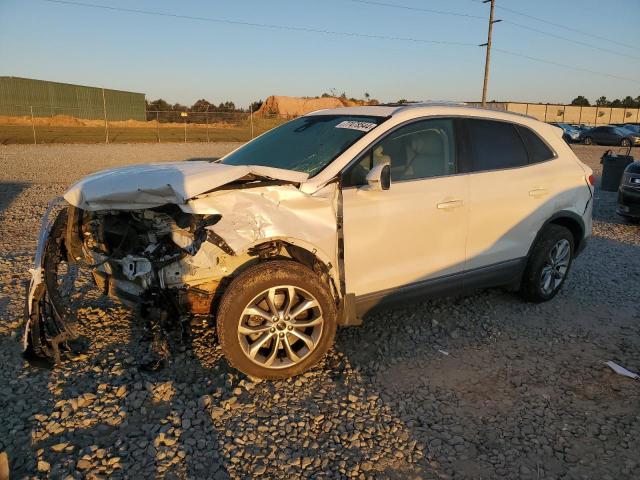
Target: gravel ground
<point>478,387</point>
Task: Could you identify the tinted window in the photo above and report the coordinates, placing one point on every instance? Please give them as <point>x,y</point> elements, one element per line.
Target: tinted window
<point>495,145</point>
<point>422,149</point>
<point>538,150</point>
<point>306,144</point>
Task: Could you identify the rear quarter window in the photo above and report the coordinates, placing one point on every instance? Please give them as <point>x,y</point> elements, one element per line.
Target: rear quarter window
<point>537,149</point>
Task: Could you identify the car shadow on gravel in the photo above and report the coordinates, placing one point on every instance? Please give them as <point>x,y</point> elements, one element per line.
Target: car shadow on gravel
<point>492,386</point>
<point>120,421</point>
<point>490,395</point>
<point>9,191</point>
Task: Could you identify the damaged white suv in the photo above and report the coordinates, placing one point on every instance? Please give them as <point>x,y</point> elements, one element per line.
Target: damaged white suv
<point>316,222</point>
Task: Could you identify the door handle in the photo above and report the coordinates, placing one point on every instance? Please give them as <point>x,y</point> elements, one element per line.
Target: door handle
<point>451,204</point>
<point>538,192</point>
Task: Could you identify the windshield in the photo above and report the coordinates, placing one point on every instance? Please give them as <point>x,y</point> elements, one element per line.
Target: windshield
<point>306,144</point>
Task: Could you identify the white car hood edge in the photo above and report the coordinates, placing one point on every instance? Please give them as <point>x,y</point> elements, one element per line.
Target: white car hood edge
<point>151,185</point>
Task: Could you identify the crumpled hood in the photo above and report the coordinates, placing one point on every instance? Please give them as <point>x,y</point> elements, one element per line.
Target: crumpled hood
<point>151,185</point>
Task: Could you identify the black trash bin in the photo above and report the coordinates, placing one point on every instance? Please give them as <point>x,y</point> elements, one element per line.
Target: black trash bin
<point>612,169</point>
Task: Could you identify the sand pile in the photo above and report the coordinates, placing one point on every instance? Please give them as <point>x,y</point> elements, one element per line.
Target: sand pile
<point>296,106</point>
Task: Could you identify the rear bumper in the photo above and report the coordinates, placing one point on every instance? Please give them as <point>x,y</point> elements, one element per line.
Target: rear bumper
<point>628,202</point>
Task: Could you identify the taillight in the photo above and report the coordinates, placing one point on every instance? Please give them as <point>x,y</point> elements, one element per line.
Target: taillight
<point>591,179</point>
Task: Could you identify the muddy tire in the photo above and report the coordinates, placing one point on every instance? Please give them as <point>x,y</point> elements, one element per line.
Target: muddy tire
<point>276,320</point>
<point>548,265</point>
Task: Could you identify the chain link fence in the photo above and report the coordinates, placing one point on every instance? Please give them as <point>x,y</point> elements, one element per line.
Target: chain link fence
<point>31,124</point>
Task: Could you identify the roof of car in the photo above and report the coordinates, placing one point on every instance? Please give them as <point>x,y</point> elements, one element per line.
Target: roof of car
<point>422,109</point>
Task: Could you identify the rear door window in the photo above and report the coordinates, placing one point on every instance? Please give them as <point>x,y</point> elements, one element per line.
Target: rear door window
<point>495,145</point>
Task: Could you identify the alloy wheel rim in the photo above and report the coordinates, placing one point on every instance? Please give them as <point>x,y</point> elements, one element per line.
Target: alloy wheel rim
<point>555,269</point>
<point>280,327</point>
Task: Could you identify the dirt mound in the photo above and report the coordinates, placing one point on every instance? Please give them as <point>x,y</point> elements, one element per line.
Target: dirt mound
<point>55,121</point>
<point>295,106</point>
<point>63,121</point>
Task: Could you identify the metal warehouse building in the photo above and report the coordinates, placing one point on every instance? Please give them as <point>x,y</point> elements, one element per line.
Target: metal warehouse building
<point>25,96</point>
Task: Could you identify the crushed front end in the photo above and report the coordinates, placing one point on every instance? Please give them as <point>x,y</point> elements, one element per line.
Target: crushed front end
<point>160,261</point>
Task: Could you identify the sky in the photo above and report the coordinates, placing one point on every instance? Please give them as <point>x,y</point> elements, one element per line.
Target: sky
<point>182,60</point>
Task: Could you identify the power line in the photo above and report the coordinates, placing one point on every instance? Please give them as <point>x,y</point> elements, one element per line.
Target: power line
<point>260,25</point>
<point>538,19</point>
<point>577,42</point>
<point>322,31</point>
<point>478,17</point>
<point>559,25</point>
<point>563,65</point>
<point>418,9</point>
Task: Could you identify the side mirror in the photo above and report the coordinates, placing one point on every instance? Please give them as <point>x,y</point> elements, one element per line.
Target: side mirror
<point>379,178</point>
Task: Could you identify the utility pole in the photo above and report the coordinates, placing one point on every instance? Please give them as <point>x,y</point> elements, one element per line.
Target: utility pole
<point>488,57</point>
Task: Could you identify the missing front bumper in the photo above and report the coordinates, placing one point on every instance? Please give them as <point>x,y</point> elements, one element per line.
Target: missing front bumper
<point>49,322</point>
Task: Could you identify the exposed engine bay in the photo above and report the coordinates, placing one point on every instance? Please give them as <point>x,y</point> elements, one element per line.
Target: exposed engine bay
<point>153,260</point>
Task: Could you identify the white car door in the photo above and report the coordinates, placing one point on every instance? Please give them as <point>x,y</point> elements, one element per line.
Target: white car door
<point>417,229</point>
<point>510,198</point>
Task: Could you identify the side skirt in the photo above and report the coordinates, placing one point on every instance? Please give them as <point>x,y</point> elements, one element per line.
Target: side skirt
<point>499,274</point>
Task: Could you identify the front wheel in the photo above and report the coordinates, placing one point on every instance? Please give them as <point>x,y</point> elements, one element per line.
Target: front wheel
<point>625,142</point>
<point>548,264</point>
<point>276,320</point>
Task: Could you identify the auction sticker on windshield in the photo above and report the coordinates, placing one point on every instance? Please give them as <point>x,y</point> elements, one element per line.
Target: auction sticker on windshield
<point>353,125</point>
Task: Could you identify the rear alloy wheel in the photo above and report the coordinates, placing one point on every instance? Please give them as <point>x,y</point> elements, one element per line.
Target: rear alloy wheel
<point>555,269</point>
<point>625,142</point>
<point>548,265</point>
<point>276,320</point>
<point>588,141</point>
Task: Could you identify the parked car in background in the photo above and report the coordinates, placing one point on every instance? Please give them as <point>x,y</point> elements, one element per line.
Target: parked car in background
<point>570,134</point>
<point>629,193</point>
<point>581,127</point>
<point>609,135</point>
<point>632,128</point>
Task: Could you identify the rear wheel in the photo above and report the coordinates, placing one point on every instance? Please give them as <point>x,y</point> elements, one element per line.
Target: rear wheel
<point>548,265</point>
<point>276,319</point>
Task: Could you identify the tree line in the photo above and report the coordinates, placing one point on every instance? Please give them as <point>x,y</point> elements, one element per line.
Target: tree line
<point>164,111</point>
<point>628,102</point>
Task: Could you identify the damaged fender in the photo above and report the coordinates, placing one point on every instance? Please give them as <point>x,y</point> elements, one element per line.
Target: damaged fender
<point>254,215</point>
